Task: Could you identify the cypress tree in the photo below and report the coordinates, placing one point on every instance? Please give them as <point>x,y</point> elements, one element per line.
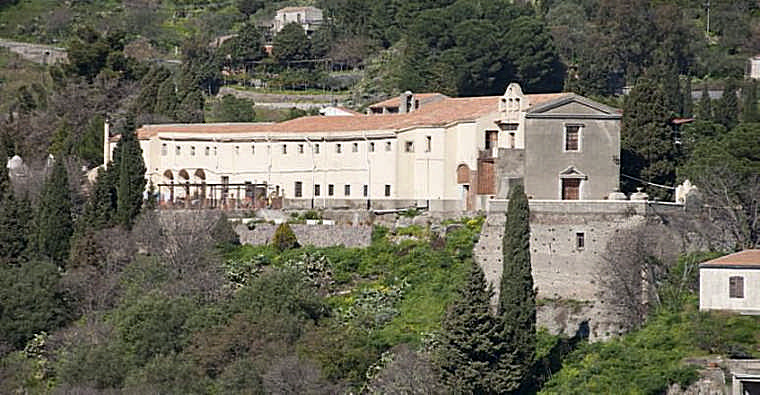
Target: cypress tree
<point>704,108</point>
<point>100,209</point>
<point>687,107</point>
<point>166,101</point>
<point>647,147</point>
<point>131,185</point>
<point>727,109</point>
<point>472,345</point>
<point>517,298</point>
<point>13,241</point>
<point>54,224</point>
<point>749,103</point>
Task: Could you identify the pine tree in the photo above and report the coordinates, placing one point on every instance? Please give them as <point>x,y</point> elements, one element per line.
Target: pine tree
<point>726,110</point>
<point>53,222</point>
<point>131,185</point>
<point>704,108</point>
<point>517,298</point>
<point>749,103</point>
<point>471,348</point>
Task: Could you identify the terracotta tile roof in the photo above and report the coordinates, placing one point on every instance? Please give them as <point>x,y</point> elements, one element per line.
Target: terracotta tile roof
<point>438,113</point>
<point>396,101</point>
<point>743,259</point>
<point>148,131</point>
<point>294,9</point>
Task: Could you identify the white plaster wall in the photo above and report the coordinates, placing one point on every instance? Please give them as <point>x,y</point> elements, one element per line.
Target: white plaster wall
<point>258,160</point>
<point>714,287</point>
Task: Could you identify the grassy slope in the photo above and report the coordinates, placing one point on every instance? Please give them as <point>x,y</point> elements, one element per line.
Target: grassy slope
<point>647,361</point>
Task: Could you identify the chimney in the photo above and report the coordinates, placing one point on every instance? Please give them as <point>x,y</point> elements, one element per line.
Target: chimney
<point>406,102</point>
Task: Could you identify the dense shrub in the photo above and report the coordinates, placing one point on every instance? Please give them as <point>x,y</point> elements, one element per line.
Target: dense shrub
<point>284,238</point>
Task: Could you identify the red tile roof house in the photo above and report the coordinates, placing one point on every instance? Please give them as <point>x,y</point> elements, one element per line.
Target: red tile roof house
<point>448,154</point>
<point>731,283</point>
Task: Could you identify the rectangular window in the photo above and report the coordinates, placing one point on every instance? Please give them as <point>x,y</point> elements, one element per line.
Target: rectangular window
<point>580,240</point>
<point>428,143</point>
<point>192,151</point>
<point>316,148</point>
<point>284,149</point>
<point>492,139</point>
<point>355,147</point>
<point>371,147</point>
<point>572,137</point>
<point>300,148</point>
<point>163,149</point>
<point>317,190</point>
<point>207,151</point>
<point>387,190</point>
<point>178,151</point>
<point>511,142</point>
<point>237,150</point>
<point>338,148</point>
<point>253,149</point>
<point>409,146</point>
<point>365,190</point>
<point>347,190</point>
<point>299,189</point>
<point>214,151</point>
<point>736,287</point>
<point>388,146</point>
<point>330,189</point>
<point>571,188</point>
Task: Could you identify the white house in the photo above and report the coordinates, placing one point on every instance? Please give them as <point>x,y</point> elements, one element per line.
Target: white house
<point>450,154</point>
<point>310,18</point>
<point>731,283</point>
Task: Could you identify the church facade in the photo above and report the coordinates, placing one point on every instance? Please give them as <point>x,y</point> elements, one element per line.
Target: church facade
<point>447,154</point>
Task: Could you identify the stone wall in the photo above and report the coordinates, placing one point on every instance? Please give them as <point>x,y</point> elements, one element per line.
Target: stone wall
<point>315,235</point>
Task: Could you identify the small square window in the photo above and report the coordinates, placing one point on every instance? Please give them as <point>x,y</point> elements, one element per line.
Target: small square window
<point>317,190</point>
<point>371,147</point>
<point>284,149</point>
<point>409,146</point>
<point>338,148</point>
<point>347,190</point>
<point>299,189</point>
<point>388,146</point>
<point>316,148</point>
<point>580,240</point>
<point>300,148</point>
<point>387,190</point>
<point>355,147</point>
<point>330,189</point>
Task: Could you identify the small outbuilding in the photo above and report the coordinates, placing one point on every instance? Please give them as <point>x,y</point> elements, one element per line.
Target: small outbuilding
<point>731,283</point>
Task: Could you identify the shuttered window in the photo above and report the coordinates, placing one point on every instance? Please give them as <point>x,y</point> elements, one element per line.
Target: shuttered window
<point>736,287</point>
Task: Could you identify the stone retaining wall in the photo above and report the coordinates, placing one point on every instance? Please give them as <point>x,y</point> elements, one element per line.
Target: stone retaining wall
<point>315,235</point>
